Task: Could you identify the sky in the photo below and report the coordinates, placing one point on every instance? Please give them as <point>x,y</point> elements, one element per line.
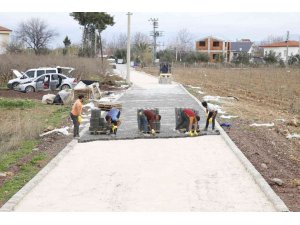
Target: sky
<point>255,26</point>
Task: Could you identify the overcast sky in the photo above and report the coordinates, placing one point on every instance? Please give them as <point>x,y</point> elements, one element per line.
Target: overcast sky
<point>230,26</point>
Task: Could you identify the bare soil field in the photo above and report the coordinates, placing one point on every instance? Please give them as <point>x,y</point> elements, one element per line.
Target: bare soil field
<point>264,96</point>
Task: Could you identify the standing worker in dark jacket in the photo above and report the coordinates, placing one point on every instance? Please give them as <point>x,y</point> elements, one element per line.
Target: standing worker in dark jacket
<point>75,113</point>
<point>147,118</point>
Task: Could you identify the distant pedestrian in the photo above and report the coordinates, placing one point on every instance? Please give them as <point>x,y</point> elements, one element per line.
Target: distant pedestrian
<point>75,113</point>
<point>189,117</point>
<point>113,119</point>
<point>212,113</point>
<point>147,118</point>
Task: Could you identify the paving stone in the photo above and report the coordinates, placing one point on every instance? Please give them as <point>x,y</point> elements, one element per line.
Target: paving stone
<point>163,97</point>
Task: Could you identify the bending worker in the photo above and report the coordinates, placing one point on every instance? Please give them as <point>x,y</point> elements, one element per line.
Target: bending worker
<point>188,116</point>
<point>147,118</point>
<point>112,118</point>
<point>75,113</point>
<point>212,113</point>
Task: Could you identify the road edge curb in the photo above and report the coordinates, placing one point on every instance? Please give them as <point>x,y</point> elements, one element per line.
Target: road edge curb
<point>17,197</point>
<point>258,178</point>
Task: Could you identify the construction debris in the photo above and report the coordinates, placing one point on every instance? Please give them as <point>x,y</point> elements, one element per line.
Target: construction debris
<point>63,131</point>
<point>290,136</point>
<point>262,125</point>
<point>228,117</point>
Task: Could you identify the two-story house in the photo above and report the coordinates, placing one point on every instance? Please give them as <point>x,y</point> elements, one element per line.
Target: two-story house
<point>216,48</point>
<point>4,38</point>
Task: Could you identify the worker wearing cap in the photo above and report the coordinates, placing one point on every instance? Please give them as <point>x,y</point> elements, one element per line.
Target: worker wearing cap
<point>112,118</point>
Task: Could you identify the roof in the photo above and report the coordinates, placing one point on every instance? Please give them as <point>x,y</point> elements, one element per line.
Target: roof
<point>212,37</point>
<point>241,46</point>
<point>281,44</point>
<point>4,29</point>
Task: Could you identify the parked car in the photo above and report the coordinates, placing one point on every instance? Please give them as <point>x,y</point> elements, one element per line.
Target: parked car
<point>48,81</point>
<point>31,74</point>
<point>112,63</point>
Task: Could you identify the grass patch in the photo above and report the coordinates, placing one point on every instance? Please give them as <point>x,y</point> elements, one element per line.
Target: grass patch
<point>11,104</point>
<point>58,116</point>
<point>27,172</point>
<point>12,157</point>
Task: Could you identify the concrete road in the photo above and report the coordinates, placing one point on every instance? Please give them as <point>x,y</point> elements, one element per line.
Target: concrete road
<point>182,174</point>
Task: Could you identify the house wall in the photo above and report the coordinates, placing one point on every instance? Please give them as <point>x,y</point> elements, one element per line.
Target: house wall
<point>4,39</point>
<point>232,53</point>
<point>282,51</point>
<point>211,50</point>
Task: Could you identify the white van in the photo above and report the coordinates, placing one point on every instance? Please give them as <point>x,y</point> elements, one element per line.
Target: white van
<point>31,74</point>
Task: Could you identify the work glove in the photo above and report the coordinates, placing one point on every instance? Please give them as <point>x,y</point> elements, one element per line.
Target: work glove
<point>114,129</point>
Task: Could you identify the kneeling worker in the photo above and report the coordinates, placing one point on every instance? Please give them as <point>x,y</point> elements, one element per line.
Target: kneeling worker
<point>147,119</point>
<point>112,118</point>
<point>212,113</point>
<point>189,116</point>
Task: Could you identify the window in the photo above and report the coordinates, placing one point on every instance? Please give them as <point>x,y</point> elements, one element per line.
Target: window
<point>216,43</point>
<point>41,79</point>
<point>50,71</point>
<point>40,72</point>
<point>30,73</point>
<point>202,43</point>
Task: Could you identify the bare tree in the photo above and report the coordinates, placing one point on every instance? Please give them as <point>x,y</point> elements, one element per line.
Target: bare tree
<point>35,34</point>
<point>116,43</point>
<point>271,39</point>
<point>183,43</point>
<point>14,46</point>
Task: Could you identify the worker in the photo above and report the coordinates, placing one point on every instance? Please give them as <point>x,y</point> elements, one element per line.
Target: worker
<point>212,113</point>
<point>189,116</point>
<point>147,118</point>
<point>112,118</point>
<point>75,113</point>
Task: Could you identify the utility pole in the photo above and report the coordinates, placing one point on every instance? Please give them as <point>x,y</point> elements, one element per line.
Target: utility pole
<point>95,43</point>
<point>287,46</point>
<point>155,34</point>
<point>128,49</point>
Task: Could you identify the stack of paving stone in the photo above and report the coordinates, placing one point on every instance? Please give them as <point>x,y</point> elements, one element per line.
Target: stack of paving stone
<point>156,124</point>
<point>178,119</point>
<point>98,125</point>
<point>165,78</point>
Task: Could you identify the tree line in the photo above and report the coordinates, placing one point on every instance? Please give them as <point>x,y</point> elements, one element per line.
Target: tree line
<point>35,35</point>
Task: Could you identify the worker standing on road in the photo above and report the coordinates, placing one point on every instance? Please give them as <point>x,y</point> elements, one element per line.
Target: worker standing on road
<point>147,118</point>
<point>212,113</point>
<point>112,118</point>
<point>189,116</point>
<point>75,113</point>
